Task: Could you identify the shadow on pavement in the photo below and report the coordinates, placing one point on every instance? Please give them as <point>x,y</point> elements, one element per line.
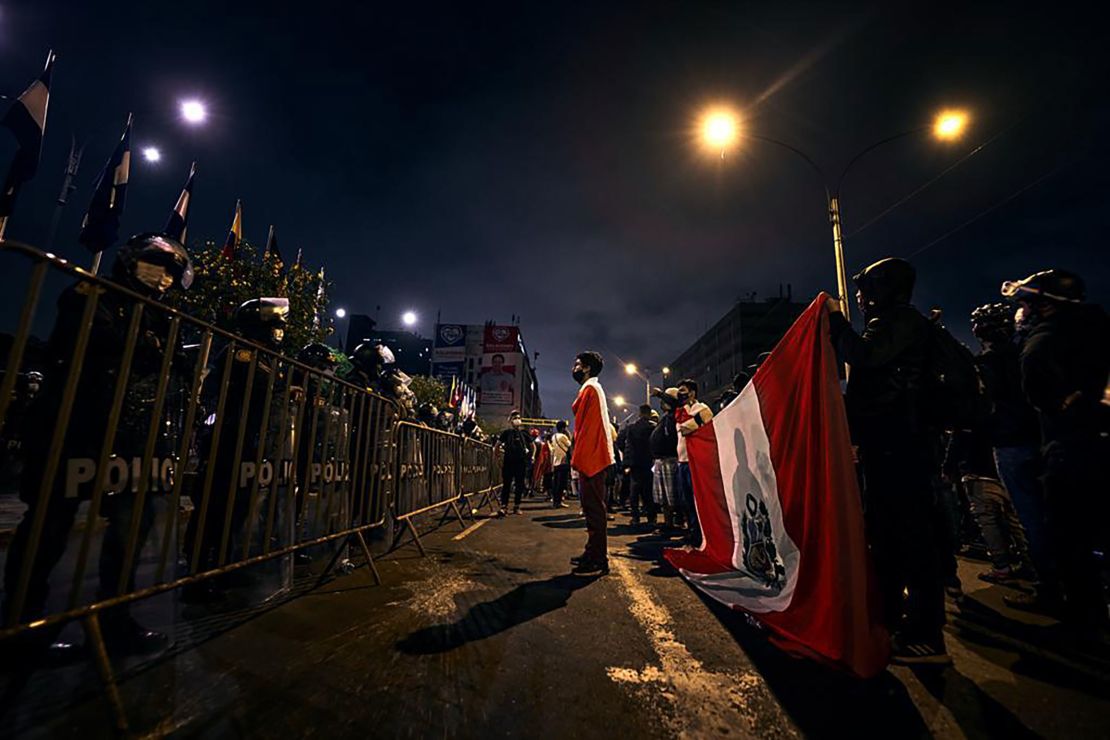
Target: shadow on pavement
<point>524,603</point>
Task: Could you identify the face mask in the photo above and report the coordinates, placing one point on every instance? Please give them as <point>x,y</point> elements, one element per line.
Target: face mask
<point>515,423</point>
<point>683,398</point>
<point>154,277</point>
<point>579,376</point>
<point>278,335</point>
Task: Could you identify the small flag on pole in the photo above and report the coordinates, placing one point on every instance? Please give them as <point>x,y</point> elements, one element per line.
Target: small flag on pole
<point>100,228</point>
<point>178,222</point>
<point>235,233</point>
<point>26,119</point>
<point>297,263</point>
<point>272,249</point>
<point>319,300</point>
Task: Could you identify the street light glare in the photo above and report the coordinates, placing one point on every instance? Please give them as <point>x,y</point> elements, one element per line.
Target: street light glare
<point>630,368</point>
<point>340,313</point>
<point>194,111</point>
<point>408,318</point>
<point>151,154</point>
<point>720,128</point>
<point>619,400</point>
<point>666,370</point>
<point>950,124</point>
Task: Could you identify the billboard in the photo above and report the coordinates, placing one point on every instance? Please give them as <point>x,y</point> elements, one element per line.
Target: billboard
<point>449,344</point>
<point>501,371</point>
<point>444,371</point>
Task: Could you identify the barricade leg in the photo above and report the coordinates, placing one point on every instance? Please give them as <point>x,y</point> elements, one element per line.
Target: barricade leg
<point>416,536</point>
<point>104,666</point>
<point>369,558</point>
<point>458,514</point>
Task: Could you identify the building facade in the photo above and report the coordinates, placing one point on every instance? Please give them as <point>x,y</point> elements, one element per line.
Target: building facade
<point>412,352</point>
<point>735,343</point>
<point>493,359</point>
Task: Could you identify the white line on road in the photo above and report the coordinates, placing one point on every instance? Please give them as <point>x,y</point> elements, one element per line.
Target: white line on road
<point>469,529</point>
<point>703,702</point>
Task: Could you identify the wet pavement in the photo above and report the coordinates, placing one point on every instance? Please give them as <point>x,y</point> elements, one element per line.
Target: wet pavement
<point>490,636</point>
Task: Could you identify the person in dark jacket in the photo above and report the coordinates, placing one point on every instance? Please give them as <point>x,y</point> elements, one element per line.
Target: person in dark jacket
<point>517,445</point>
<point>888,364</point>
<point>151,266</point>
<point>664,454</point>
<point>1065,362</point>
<point>1015,437</point>
<point>637,465</point>
<point>739,381</point>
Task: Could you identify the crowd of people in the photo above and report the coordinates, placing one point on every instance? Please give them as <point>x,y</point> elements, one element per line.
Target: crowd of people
<point>1001,450</point>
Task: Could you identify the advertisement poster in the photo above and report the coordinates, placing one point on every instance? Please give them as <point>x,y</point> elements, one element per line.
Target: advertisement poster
<point>450,343</point>
<point>444,371</point>
<point>499,381</point>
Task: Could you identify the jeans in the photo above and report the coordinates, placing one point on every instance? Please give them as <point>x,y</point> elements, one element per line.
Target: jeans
<point>641,483</point>
<point>592,491</point>
<point>1018,467</point>
<point>560,479</point>
<point>686,501</point>
<point>512,476</point>
<point>992,514</point>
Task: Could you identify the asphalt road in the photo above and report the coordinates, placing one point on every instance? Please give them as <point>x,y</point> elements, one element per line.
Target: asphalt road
<point>490,636</point>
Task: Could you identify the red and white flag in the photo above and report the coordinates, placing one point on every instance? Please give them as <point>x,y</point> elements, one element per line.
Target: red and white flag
<point>780,509</point>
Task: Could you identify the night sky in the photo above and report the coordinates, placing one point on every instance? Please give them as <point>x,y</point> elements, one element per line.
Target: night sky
<point>537,159</point>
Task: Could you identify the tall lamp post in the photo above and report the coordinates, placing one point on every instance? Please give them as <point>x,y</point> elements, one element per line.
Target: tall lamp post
<point>720,131</point>
<point>631,369</point>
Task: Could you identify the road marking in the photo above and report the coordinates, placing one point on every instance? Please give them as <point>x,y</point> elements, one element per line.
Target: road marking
<point>469,529</point>
<point>702,702</point>
<point>937,718</point>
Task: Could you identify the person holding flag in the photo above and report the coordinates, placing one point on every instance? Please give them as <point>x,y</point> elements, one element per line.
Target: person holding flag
<point>26,119</point>
<point>592,456</point>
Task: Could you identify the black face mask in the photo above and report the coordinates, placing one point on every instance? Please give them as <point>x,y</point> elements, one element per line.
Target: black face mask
<point>579,376</point>
<point>683,398</point>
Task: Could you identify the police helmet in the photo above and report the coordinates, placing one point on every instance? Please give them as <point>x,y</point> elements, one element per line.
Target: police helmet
<point>263,320</point>
<point>317,355</point>
<point>1053,285</point>
<point>153,249</point>
<point>993,320</point>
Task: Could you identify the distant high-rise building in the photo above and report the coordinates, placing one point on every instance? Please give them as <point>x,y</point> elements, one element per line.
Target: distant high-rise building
<point>412,352</point>
<point>735,343</point>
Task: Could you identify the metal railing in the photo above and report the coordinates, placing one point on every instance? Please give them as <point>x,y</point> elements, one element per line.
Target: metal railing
<point>179,452</point>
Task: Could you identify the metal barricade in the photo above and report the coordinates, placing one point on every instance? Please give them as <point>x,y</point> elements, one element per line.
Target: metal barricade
<point>174,452</point>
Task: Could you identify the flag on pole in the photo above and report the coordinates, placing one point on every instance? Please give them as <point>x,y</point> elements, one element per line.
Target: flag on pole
<point>26,119</point>
<point>178,222</point>
<point>780,511</point>
<point>272,249</point>
<point>235,233</point>
<point>319,300</point>
<point>297,262</point>
<point>100,227</point>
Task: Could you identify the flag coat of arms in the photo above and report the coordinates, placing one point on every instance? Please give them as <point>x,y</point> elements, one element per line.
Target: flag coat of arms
<point>780,509</point>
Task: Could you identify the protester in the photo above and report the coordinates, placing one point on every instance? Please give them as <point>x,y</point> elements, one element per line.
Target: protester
<point>541,469</point>
<point>638,464</point>
<point>1065,362</point>
<point>690,415</point>
<point>664,453</point>
<point>517,446</point>
<point>593,458</point>
<point>560,461</point>
<point>729,395</point>
<point>884,402</point>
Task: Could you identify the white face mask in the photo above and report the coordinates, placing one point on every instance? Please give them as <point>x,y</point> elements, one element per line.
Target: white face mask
<point>154,277</point>
<point>515,422</point>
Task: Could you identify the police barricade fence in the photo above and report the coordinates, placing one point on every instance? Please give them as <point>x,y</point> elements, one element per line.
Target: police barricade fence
<point>173,452</point>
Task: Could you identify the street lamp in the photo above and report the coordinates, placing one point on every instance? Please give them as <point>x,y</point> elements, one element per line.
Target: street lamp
<point>408,318</point>
<point>194,111</point>
<point>152,154</point>
<point>340,313</point>
<point>645,374</point>
<point>619,400</point>
<point>949,125</point>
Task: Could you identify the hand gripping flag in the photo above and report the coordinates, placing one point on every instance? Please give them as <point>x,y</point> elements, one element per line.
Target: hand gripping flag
<point>100,228</point>
<point>235,233</point>
<point>178,222</point>
<point>26,119</point>
<point>780,510</point>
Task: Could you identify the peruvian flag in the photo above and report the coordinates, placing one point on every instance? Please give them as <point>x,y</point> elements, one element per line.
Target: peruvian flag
<point>780,510</point>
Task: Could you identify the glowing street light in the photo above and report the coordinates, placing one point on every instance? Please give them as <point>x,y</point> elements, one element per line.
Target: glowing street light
<point>666,371</point>
<point>619,400</point>
<point>152,154</point>
<point>340,313</point>
<point>630,368</point>
<point>408,318</point>
<point>950,124</point>
<point>719,129</point>
<point>194,111</point>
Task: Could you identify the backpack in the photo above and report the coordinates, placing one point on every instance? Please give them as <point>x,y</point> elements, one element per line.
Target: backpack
<point>954,396</point>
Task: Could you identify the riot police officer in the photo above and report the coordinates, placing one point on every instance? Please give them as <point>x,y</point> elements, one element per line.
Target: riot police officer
<point>152,266</point>
<point>1065,361</point>
<point>262,321</point>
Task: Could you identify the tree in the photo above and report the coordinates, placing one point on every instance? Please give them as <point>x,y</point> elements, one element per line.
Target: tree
<point>429,390</point>
<point>220,285</point>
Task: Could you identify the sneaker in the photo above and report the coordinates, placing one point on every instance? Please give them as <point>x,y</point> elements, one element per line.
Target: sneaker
<point>500,514</point>
<point>953,588</point>
<point>125,635</point>
<point>1001,576</point>
<point>1035,603</point>
<point>516,511</point>
<point>920,653</point>
<point>591,568</point>
<point>564,506</point>
<point>577,559</point>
